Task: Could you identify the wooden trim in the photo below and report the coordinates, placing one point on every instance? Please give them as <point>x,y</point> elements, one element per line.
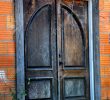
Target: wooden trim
<point>96,49</point>
<point>20,84</point>
<point>91,51</point>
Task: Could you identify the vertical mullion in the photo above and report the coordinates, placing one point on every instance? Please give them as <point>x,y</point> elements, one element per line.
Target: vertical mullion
<point>58,20</point>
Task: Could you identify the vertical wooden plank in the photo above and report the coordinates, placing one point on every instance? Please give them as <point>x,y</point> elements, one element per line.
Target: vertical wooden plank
<point>20,50</point>
<point>96,49</point>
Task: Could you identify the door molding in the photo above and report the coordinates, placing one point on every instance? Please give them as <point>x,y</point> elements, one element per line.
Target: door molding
<point>94,53</point>
<point>96,49</point>
<point>20,75</point>
<point>93,42</point>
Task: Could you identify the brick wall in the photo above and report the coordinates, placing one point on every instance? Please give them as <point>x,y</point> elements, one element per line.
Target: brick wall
<point>104,7</point>
<point>7,50</point>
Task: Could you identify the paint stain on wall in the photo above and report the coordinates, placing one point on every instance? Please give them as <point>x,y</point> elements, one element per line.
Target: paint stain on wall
<point>3,77</point>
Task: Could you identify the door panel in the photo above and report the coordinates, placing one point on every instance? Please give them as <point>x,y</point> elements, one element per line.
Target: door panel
<point>74,87</point>
<point>39,89</point>
<point>72,40</point>
<point>73,50</point>
<point>39,39</point>
<point>40,50</point>
<point>56,50</point>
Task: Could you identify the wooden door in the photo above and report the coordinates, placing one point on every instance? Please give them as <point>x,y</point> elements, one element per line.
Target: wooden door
<point>56,50</point>
<point>73,49</point>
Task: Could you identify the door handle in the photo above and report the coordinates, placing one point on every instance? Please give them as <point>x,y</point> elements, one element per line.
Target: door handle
<point>59,55</point>
<point>60,59</point>
<point>60,63</point>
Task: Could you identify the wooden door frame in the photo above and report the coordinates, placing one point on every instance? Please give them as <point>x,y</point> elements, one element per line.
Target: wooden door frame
<point>93,42</point>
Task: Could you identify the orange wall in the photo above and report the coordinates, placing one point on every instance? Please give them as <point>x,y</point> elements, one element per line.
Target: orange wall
<point>104,7</point>
<point>7,49</point>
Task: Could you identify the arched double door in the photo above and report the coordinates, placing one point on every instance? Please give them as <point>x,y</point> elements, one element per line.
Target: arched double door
<point>56,50</point>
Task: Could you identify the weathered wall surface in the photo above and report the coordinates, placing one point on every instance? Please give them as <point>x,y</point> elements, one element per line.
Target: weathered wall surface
<point>7,48</point>
<point>104,7</point>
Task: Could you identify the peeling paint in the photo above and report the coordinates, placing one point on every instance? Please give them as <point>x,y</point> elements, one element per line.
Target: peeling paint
<point>3,77</point>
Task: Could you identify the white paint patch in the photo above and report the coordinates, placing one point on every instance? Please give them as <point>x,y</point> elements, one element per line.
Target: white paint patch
<point>3,77</point>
